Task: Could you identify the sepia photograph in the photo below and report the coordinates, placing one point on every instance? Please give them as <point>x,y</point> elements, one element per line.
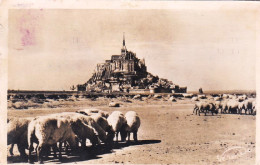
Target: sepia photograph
<point>170,84</point>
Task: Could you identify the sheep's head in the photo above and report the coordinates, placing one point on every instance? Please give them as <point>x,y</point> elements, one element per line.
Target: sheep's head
<point>110,137</point>
<point>110,129</point>
<point>94,140</point>
<point>123,132</point>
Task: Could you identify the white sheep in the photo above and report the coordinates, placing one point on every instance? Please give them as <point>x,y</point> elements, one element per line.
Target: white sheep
<point>254,107</point>
<point>117,120</point>
<point>17,134</point>
<point>103,123</point>
<point>90,123</point>
<point>194,99</point>
<point>223,106</point>
<point>99,119</point>
<point>232,106</point>
<point>88,120</point>
<point>202,96</point>
<point>133,124</point>
<point>241,106</point>
<point>217,99</point>
<point>249,106</point>
<point>47,131</point>
<point>241,98</point>
<point>100,125</point>
<point>204,107</point>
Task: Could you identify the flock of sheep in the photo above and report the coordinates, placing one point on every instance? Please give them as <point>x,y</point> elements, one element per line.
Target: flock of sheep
<point>226,104</point>
<point>70,129</point>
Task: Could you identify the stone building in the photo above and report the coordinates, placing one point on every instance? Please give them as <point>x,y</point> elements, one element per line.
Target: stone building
<point>125,68</point>
<point>126,72</point>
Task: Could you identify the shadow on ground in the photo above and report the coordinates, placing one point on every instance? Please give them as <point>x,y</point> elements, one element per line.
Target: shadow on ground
<point>88,154</point>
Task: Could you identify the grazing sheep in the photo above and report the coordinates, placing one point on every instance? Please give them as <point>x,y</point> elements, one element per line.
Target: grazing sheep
<point>114,104</point>
<point>194,99</point>
<point>133,124</point>
<point>241,98</point>
<point>89,112</point>
<point>187,95</point>
<point>82,130</point>
<point>254,108</point>
<point>47,131</point>
<point>204,107</point>
<point>197,107</point>
<point>218,106</point>
<point>217,99</point>
<point>249,106</point>
<point>93,127</point>
<point>88,120</point>
<point>98,118</point>
<point>223,107</point>
<point>241,106</point>
<point>202,96</point>
<point>232,96</point>
<point>17,134</point>
<point>103,123</point>
<point>225,96</point>
<point>232,106</point>
<point>117,120</point>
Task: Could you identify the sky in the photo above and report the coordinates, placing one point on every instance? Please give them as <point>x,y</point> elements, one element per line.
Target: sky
<point>53,49</point>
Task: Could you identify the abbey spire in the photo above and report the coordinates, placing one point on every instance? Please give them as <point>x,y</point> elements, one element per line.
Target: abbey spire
<point>123,50</point>
<point>123,39</point>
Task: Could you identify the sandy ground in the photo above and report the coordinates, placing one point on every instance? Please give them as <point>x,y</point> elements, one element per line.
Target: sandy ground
<point>169,134</point>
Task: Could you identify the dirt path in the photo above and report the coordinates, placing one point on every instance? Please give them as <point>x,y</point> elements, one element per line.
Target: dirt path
<point>171,134</point>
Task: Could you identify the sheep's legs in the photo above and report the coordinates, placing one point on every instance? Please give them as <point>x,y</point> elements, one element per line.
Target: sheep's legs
<point>66,145</point>
<point>135,136</point>
<point>11,150</point>
<point>60,149</point>
<point>55,150</point>
<point>128,134</point>
<point>117,136</point>
<point>21,149</point>
<point>40,153</point>
<point>250,111</point>
<point>73,144</point>
<point>30,151</point>
<point>195,110</point>
<point>83,143</point>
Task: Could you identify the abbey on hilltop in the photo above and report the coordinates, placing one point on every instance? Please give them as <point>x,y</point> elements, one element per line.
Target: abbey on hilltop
<point>127,73</point>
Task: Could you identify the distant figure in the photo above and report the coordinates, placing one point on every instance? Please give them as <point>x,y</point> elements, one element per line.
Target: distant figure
<point>73,87</point>
<point>200,91</point>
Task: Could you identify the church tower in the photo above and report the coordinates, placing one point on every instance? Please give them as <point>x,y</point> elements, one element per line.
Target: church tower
<point>123,50</point>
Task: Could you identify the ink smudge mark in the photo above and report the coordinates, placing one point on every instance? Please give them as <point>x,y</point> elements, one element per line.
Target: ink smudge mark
<point>28,25</point>
<point>28,37</point>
